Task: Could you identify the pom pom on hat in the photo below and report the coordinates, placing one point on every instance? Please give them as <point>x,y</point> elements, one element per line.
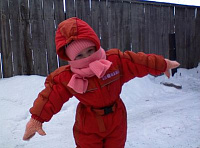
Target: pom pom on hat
<point>75,47</point>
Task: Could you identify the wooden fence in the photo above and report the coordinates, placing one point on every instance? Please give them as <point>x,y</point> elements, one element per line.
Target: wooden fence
<point>27,31</point>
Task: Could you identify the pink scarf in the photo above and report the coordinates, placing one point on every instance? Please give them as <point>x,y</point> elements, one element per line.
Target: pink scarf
<point>96,64</point>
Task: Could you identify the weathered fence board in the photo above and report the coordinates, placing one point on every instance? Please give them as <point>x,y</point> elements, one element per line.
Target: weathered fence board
<point>15,36</point>
<point>85,10</point>
<point>155,30</point>
<point>25,39</point>
<point>38,38</point>
<point>137,27</point>
<point>180,25</point>
<point>49,27</point>
<point>118,25</point>
<point>111,25</point>
<point>70,9</point>
<point>1,75</point>
<point>104,25</point>
<point>126,36</point>
<point>79,8</point>
<point>1,72</point>
<point>147,28</point>
<point>167,19</point>
<point>60,16</point>
<point>27,30</point>
<point>190,35</point>
<point>95,15</point>
<point>82,10</point>
<point>196,58</point>
<point>6,47</point>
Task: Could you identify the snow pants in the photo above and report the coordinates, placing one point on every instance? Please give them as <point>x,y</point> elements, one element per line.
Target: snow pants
<point>95,130</point>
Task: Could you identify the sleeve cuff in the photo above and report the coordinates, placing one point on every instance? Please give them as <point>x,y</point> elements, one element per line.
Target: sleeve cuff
<point>37,118</point>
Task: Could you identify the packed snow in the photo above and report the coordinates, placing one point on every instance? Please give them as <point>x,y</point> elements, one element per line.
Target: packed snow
<point>158,116</point>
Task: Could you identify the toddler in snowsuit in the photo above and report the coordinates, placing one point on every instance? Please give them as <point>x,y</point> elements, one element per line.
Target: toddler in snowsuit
<point>95,78</point>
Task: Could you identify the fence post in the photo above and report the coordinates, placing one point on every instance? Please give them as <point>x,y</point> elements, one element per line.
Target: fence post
<point>172,50</point>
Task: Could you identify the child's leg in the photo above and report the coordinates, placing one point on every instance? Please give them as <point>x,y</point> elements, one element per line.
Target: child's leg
<point>87,140</point>
<point>85,131</point>
<point>117,138</point>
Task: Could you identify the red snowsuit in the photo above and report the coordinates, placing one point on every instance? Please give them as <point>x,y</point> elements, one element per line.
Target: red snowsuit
<point>93,127</point>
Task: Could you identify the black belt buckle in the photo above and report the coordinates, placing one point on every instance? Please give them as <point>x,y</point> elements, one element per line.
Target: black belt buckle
<point>107,110</point>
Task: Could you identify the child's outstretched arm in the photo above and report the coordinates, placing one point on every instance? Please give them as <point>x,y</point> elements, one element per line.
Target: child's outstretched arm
<point>140,64</point>
<point>49,102</point>
<point>170,65</point>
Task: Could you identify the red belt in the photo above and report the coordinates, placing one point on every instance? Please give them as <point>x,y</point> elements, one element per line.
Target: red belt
<point>102,112</point>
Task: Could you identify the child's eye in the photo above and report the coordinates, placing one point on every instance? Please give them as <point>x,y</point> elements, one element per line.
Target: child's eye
<point>90,50</point>
<point>79,56</point>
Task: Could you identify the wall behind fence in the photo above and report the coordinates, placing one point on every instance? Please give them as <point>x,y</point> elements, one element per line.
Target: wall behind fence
<point>27,30</point>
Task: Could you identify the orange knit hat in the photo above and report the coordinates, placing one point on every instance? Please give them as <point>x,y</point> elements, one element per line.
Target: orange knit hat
<point>75,47</point>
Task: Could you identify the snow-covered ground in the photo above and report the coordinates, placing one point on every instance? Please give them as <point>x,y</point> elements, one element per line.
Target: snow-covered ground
<point>158,116</point>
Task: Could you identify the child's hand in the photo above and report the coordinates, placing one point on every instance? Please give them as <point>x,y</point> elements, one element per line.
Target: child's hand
<point>32,127</point>
<point>170,65</point>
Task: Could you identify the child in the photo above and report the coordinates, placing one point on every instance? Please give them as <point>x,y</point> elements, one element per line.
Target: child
<point>95,78</point>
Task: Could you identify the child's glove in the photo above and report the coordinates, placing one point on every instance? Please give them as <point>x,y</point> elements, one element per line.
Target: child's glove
<point>170,65</point>
<point>32,127</point>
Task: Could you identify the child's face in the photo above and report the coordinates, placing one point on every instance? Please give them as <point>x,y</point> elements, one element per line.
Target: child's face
<point>86,53</point>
